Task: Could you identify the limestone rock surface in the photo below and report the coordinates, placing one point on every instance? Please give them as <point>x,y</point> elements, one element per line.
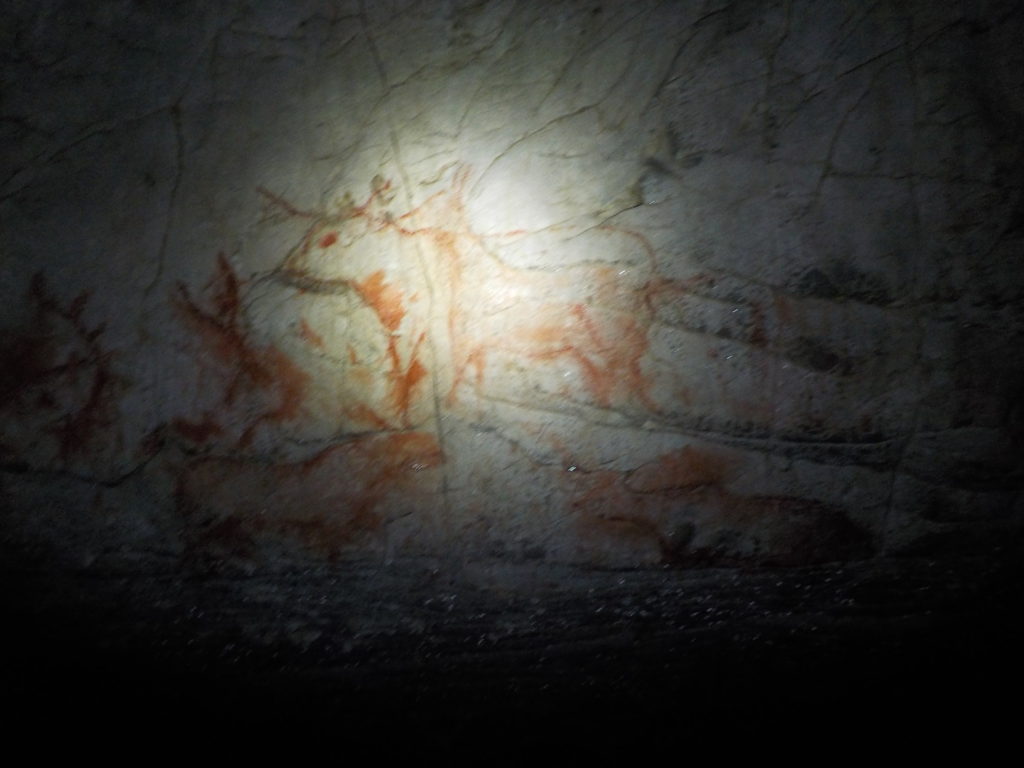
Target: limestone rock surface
<point>613,284</point>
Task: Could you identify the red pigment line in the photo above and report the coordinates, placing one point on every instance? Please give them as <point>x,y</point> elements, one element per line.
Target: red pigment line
<point>266,369</point>
<point>79,426</point>
<point>198,432</point>
<point>644,242</point>
<point>403,383</point>
<point>383,298</point>
<point>362,413</point>
<point>283,204</point>
<point>226,288</point>
<point>310,336</point>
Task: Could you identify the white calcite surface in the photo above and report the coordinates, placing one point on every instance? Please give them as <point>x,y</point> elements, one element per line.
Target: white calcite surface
<point>619,284</point>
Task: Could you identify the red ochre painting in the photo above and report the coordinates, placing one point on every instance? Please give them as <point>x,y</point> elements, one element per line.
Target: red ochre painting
<point>339,436</point>
<point>58,386</point>
<point>479,314</point>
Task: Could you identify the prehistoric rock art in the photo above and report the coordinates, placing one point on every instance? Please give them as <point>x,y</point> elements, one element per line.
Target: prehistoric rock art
<point>447,323</point>
<point>680,508</point>
<point>586,318</point>
<point>341,497</point>
<point>624,284</point>
<point>451,316</point>
<point>58,389</point>
<point>263,376</point>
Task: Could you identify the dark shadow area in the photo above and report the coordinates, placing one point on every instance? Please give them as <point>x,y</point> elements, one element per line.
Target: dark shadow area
<point>900,651</point>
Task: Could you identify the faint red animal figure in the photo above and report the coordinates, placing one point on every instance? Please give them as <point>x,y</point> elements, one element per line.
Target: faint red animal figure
<point>57,381</point>
<point>485,314</point>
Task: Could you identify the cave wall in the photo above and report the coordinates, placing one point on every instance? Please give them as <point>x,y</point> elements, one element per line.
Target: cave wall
<point>604,284</point>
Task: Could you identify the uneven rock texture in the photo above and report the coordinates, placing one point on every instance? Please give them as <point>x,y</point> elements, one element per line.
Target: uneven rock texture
<point>646,283</point>
<point>572,284</point>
